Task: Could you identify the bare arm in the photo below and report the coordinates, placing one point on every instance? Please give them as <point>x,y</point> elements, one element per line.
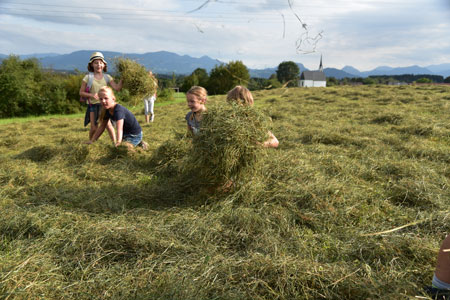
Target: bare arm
<point>116,86</point>
<point>111,132</point>
<point>119,125</point>
<point>98,132</point>
<point>85,94</point>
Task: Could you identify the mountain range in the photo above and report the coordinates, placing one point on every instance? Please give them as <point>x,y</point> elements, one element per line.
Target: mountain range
<point>164,62</point>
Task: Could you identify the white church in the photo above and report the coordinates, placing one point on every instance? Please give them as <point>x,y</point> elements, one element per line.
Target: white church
<point>313,78</point>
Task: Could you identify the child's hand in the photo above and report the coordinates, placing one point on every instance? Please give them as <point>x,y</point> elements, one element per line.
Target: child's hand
<point>96,96</point>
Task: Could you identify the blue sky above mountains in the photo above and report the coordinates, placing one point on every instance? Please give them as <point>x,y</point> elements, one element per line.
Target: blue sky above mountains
<point>364,34</point>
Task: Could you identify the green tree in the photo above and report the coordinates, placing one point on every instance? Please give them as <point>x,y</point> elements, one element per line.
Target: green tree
<point>288,72</point>
<point>273,82</point>
<point>202,76</point>
<point>257,83</point>
<point>424,80</point>
<point>224,77</point>
<point>219,80</point>
<point>19,87</point>
<point>239,73</point>
<point>198,77</point>
<point>26,89</point>
<point>332,81</point>
<point>368,80</point>
<point>447,79</point>
<point>188,82</point>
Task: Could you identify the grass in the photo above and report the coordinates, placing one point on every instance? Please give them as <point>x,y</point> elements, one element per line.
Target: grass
<point>352,205</point>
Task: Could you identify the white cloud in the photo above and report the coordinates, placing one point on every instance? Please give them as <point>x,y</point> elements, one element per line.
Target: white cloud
<point>261,33</point>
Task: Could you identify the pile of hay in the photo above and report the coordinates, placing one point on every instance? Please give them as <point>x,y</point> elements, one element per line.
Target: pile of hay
<point>169,158</point>
<point>228,147</point>
<point>135,78</point>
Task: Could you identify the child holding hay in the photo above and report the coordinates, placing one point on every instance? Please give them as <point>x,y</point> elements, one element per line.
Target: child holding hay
<point>241,95</point>
<point>89,90</point>
<point>441,277</point>
<point>149,101</point>
<point>128,128</point>
<point>196,99</point>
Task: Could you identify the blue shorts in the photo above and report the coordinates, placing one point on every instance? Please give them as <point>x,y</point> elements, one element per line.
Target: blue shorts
<point>134,139</point>
<point>440,284</point>
<point>94,108</point>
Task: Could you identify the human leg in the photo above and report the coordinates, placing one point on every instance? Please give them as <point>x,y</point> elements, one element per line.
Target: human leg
<point>440,285</point>
<point>147,109</point>
<point>443,263</point>
<point>93,122</point>
<point>151,106</point>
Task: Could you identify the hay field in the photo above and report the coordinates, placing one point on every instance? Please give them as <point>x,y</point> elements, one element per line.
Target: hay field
<point>352,205</point>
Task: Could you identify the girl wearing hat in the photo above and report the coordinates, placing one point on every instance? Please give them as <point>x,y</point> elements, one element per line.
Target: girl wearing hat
<point>90,86</point>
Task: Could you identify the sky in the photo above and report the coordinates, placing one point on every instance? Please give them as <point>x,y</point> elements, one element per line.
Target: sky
<point>364,34</point>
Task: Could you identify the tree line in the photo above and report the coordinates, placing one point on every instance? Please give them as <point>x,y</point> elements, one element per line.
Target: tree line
<point>224,77</point>
<point>389,79</point>
<point>27,89</point>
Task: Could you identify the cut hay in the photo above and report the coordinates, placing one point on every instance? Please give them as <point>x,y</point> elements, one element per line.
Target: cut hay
<point>169,158</point>
<point>135,78</point>
<point>228,145</point>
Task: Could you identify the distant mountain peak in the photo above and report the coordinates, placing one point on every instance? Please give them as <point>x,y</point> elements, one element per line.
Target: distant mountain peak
<point>351,70</point>
<point>165,62</point>
<point>382,68</point>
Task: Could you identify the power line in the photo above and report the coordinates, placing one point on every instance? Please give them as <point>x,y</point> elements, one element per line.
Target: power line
<point>141,18</point>
<point>225,2</point>
<point>110,15</point>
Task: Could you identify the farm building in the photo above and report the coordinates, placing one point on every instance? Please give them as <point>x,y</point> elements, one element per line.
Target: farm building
<point>314,78</point>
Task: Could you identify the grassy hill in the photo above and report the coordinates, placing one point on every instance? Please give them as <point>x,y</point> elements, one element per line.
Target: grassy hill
<point>352,205</point>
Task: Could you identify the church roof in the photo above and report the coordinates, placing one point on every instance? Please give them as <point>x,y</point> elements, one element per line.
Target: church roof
<point>313,75</point>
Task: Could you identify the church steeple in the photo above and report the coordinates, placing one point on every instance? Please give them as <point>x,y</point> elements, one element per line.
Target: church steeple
<point>320,66</point>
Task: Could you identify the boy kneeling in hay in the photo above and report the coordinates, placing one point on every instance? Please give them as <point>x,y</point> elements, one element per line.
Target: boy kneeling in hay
<point>128,128</point>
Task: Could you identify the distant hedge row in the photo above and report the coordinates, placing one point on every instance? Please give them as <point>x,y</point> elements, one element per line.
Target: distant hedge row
<point>26,89</point>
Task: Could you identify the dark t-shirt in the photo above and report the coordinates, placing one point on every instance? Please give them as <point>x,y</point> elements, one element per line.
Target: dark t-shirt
<point>130,124</point>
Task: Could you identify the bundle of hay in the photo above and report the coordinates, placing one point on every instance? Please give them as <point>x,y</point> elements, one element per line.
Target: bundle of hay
<point>169,157</point>
<point>135,78</point>
<point>229,145</point>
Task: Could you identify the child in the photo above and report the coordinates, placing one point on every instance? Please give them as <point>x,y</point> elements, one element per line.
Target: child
<point>149,101</point>
<point>196,99</point>
<point>89,89</point>
<point>128,128</point>
<point>243,96</point>
<point>441,278</point>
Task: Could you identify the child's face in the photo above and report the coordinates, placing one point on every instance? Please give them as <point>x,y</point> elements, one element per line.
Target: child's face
<point>106,99</point>
<point>98,65</point>
<point>194,103</point>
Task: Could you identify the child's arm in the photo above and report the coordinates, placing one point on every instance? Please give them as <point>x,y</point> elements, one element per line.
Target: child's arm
<point>271,142</point>
<point>111,132</point>
<point>98,132</point>
<point>116,86</point>
<point>85,94</point>
<point>119,124</point>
